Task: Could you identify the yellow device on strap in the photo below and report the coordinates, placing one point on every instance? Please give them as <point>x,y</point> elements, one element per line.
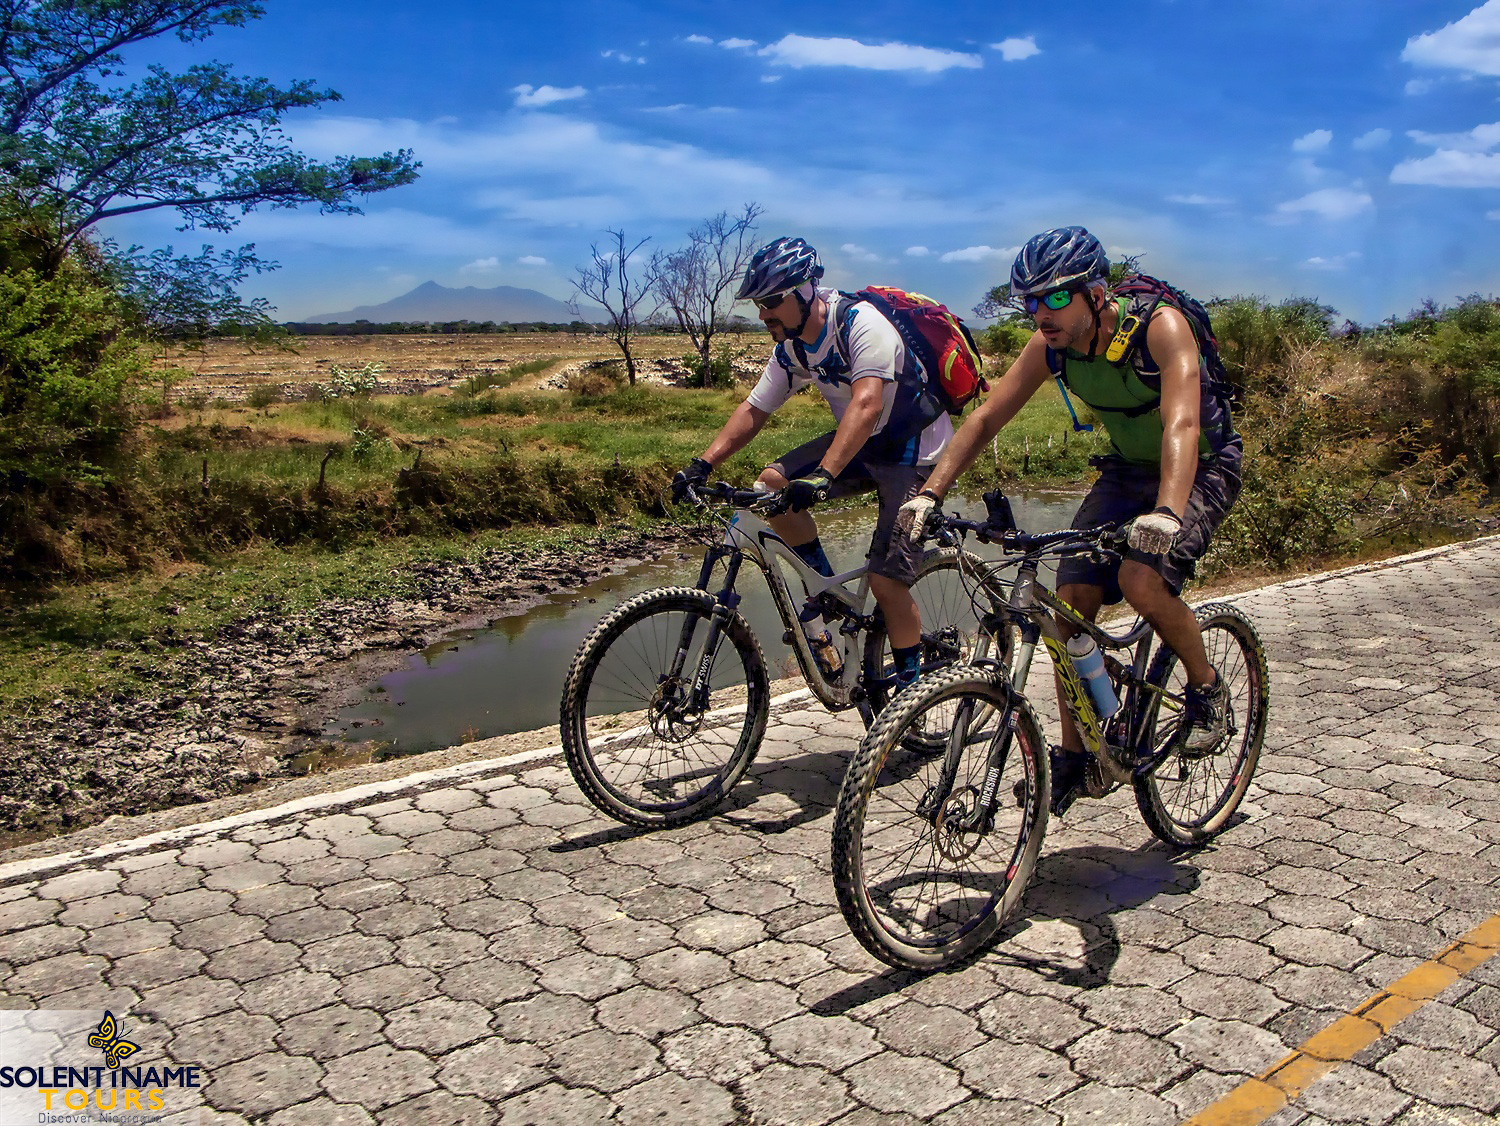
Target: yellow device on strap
<point>1123,342</point>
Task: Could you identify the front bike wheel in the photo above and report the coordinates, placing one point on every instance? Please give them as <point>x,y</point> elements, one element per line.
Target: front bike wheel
<point>923,879</point>
<point>1189,798</point>
<point>950,631</point>
<point>643,743</point>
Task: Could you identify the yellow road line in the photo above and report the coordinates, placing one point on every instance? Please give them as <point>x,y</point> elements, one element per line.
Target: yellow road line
<point>1255,1100</point>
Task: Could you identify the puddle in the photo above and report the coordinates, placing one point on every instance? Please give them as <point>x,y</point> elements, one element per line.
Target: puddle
<point>476,684</point>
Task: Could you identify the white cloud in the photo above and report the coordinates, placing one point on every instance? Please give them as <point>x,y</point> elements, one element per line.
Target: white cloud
<point>565,171</point>
<point>621,55</point>
<point>859,253</point>
<point>531,260</point>
<point>545,95</point>
<point>770,78</point>
<point>698,39</point>
<point>683,107</point>
<point>979,254</point>
<point>803,50</point>
<point>1481,138</point>
<point>1316,141</point>
<point>917,252</point>
<point>480,265</point>
<point>737,44</point>
<point>1337,262</point>
<point>1374,139</point>
<point>1326,203</point>
<point>1449,168</point>
<point>1014,50</point>
<point>1195,200</point>
<point>1416,87</point>
<point>1470,44</point>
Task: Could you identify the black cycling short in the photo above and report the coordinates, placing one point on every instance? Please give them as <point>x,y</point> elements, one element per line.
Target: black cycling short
<point>1128,489</point>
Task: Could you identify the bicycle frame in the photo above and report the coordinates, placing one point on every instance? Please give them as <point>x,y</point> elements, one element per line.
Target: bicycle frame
<point>1033,609</point>
<point>749,536</point>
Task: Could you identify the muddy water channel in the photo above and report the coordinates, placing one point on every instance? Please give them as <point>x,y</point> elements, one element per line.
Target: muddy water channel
<point>475,684</point>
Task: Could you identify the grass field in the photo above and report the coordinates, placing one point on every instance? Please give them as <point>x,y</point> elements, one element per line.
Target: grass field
<point>229,369</point>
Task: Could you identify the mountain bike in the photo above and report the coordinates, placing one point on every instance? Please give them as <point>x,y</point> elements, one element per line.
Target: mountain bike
<point>666,702</point>
<point>932,857</point>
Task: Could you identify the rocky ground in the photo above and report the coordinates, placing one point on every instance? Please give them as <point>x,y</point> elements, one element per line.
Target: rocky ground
<point>235,710</point>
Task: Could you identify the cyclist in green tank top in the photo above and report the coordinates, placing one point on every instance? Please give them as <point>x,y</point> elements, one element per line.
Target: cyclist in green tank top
<point>1173,472</point>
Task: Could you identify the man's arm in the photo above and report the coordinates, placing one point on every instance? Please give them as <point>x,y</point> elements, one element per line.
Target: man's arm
<point>1175,349</point>
<point>744,424</point>
<point>1011,392</point>
<point>858,423</point>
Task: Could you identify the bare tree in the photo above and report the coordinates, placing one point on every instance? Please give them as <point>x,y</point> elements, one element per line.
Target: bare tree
<point>607,281</point>
<point>698,281</point>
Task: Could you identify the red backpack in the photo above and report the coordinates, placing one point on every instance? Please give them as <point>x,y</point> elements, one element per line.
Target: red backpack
<point>940,340</point>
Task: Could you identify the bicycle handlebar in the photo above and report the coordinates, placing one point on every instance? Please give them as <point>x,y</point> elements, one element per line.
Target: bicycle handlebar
<point>771,503</point>
<point>999,527</point>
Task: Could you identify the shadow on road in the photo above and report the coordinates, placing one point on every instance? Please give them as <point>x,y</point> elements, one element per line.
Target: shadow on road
<point>1074,896</point>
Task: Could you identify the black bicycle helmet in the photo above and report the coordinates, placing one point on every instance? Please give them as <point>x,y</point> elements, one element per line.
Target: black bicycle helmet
<point>1064,256</point>
<point>779,266</point>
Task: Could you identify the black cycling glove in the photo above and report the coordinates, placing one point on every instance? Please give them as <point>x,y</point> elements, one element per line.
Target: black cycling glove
<point>694,475</point>
<point>808,489</point>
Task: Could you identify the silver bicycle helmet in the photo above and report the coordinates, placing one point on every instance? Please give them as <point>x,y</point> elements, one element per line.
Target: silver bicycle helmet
<point>1064,256</point>
<point>779,266</point>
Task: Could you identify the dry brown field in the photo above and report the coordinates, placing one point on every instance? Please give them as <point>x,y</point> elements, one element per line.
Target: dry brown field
<point>411,364</point>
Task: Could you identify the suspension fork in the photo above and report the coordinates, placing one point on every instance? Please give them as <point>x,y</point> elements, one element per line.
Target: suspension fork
<point>726,602</point>
<point>981,818</point>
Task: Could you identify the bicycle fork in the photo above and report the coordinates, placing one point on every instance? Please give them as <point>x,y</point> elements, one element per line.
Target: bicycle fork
<point>935,803</point>
<point>726,600</point>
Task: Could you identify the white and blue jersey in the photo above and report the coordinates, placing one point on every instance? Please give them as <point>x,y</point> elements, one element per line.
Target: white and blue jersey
<point>875,350</point>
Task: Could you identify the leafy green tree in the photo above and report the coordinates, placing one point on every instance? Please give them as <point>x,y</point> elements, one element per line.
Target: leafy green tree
<point>79,148</point>
<point>67,363</point>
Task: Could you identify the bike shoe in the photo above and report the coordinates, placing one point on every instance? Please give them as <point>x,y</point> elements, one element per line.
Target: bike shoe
<point>1069,778</point>
<point>1205,720</point>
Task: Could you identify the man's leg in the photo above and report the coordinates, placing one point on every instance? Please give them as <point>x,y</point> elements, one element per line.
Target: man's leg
<point>798,529</point>
<point>903,621</point>
<point>1152,585</point>
<point>893,565</point>
<point>1171,618</point>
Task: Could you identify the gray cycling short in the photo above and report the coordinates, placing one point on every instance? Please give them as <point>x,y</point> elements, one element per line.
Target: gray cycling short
<point>1126,490</point>
<point>894,484</point>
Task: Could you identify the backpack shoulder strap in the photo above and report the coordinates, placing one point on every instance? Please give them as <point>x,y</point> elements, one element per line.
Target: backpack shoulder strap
<point>842,316</point>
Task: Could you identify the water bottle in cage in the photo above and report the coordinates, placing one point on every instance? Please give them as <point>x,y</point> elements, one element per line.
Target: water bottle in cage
<point>1090,665</point>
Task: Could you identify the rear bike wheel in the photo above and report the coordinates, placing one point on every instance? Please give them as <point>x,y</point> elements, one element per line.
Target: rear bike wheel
<point>950,635</point>
<point>1190,798</point>
<point>922,883</point>
<point>640,746</point>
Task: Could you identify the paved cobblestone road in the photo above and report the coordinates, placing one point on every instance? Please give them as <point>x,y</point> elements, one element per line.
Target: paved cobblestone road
<point>481,946</point>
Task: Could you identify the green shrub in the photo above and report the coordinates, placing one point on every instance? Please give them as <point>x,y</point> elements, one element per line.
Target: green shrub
<point>1256,338</point>
<point>263,395</point>
<point>68,365</point>
<point>1002,342</point>
<point>718,372</point>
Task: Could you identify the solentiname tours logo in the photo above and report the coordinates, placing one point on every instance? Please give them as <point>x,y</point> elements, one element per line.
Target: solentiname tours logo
<point>112,1092</point>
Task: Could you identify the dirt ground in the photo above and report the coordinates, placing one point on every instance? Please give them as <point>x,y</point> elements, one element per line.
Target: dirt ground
<point>230,370</point>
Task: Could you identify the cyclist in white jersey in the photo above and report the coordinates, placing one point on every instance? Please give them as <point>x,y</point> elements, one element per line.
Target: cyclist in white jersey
<point>889,431</point>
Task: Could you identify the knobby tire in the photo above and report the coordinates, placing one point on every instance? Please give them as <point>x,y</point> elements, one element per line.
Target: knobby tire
<point>639,749</point>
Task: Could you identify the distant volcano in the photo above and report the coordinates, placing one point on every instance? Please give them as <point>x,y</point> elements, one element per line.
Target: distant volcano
<point>433,302</point>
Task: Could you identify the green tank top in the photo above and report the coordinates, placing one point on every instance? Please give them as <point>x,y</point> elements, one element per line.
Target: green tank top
<point>1112,390</point>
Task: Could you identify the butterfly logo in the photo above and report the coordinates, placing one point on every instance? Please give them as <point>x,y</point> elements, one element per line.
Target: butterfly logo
<point>108,1038</point>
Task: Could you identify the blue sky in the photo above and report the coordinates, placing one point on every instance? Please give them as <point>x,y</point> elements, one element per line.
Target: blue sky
<point>1345,150</point>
